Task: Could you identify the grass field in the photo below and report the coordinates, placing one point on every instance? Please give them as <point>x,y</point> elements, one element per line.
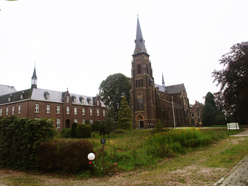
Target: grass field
<point>202,165</point>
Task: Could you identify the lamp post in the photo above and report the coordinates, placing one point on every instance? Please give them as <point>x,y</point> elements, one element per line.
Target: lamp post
<point>91,157</point>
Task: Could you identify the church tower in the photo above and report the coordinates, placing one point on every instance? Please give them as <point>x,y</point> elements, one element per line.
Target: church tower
<point>143,103</point>
<point>34,79</point>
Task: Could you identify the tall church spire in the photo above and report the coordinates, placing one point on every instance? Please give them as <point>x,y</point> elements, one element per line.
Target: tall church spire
<point>140,42</point>
<point>34,79</point>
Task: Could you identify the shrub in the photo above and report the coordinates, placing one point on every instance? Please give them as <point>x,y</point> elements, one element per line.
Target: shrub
<point>68,156</point>
<point>119,131</point>
<point>83,131</point>
<point>73,130</point>
<point>66,133</point>
<point>96,126</point>
<point>20,139</point>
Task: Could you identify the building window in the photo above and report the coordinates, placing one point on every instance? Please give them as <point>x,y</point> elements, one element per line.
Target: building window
<point>19,109</point>
<point>197,108</point>
<point>90,112</point>
<point>58,109</point>
<point>97,102</point>
<point>97,112</point>
<point>83,121</point>
<point>103,112</point>
<point>141,82</point>
<point>46,95</point>
<point>140,102</point>
<point>67,110</point>
<point>192,115</point>
<point>36,109</point>
<point>48,109</point>
<point>74,99</point>
<point>83,111</point>
<point>67,98</point>
<point>7,111</point>
<point>91,121</point>
<point>81,99</point>
<point>139,69</point>
<point>198,114</point>
<point>75,110</point>
<point>21,96</point>
<point>1,111</point>
<point>164,113</point>
<point>75,120</point>
<point>89,101</point>
<point>58,124</point>
<point>13,110</point>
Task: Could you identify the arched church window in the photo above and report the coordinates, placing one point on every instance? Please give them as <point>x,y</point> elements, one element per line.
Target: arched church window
<point>140,102</point>
<point>139,69</point>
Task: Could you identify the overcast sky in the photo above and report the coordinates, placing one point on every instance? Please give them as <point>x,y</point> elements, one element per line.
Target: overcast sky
<point>76,44</point>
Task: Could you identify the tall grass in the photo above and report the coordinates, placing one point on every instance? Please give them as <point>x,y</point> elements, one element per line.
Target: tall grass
<point>139,148</point>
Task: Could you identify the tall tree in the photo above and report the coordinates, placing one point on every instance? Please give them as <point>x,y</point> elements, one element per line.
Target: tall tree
<point>209,111</point>
<point>124,115</point>
<point>233,80</point>
<point>112,88</point>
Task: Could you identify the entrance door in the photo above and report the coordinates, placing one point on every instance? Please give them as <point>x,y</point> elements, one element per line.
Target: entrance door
<point>67,124</point>
<point>141,124</point>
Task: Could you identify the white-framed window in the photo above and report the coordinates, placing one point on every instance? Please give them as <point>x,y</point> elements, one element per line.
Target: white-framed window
<point>13,110</point>
<point>81,99</point>
<point>103,112</point>
<point>58,123</point>
<point>1,111</point>
<point>83,111</point>
<point>97,112</point>
<point>9,98</point>
<point>75,120</point>
<point>7,111</point>
<point>36,108</point>
<point>19,109</point>
<point>91,121</point>
<point>97,102</point>
<point>48,109</point>
<point>90,112</point>
<point>21,96</point>
<point>67,98</point>
<point>58,109</point>
<point>75,110</point>
<point>192,115</point>
<point>74,99</point>
<point>83,121</point>
<point>67,110</point>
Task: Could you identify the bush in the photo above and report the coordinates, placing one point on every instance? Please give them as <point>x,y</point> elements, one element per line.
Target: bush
<point>119,131</point>
<point>20,139</point>
<point>66,133</point>
<point>73,130</point>
<point>83,131</point>
<point>96,126</point>
<point>68,156</point>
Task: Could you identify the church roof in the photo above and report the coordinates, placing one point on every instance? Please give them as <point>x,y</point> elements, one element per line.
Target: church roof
<point>140,42</point>
<point>173,89</point>
<point>5,89</point>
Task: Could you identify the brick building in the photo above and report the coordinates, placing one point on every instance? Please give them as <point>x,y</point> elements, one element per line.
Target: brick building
<point>195,117</point>
<point>150,101</point>
<point>64,107</point>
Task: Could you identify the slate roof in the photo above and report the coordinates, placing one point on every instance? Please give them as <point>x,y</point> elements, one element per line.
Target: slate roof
<point>39,94</point>
<point>173,89</point>
<point>5,89</point>
<point>140,42</point>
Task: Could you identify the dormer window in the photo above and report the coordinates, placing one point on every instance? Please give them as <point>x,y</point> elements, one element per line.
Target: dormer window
<point>21,96</point>
<point>89,101</point>
<point>81,99</point>
<point>10,97</point>
<point>46,95</point>
<point>74,99</point>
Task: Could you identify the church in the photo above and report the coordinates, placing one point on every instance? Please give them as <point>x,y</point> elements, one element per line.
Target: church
<point>151,102</point>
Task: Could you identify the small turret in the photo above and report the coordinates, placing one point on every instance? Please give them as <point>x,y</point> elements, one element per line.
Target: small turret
<point>34,79</point>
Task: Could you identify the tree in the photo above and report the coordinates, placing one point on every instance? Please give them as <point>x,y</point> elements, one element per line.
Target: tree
<point>112,88</point>
<point>233,80</point>
<point>109,121</point>
<point>209,111</point>
<point>73,130</point>
<point>124,116</point>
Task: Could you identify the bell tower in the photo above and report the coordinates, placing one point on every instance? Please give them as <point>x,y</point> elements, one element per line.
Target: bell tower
<point>143,103</point>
